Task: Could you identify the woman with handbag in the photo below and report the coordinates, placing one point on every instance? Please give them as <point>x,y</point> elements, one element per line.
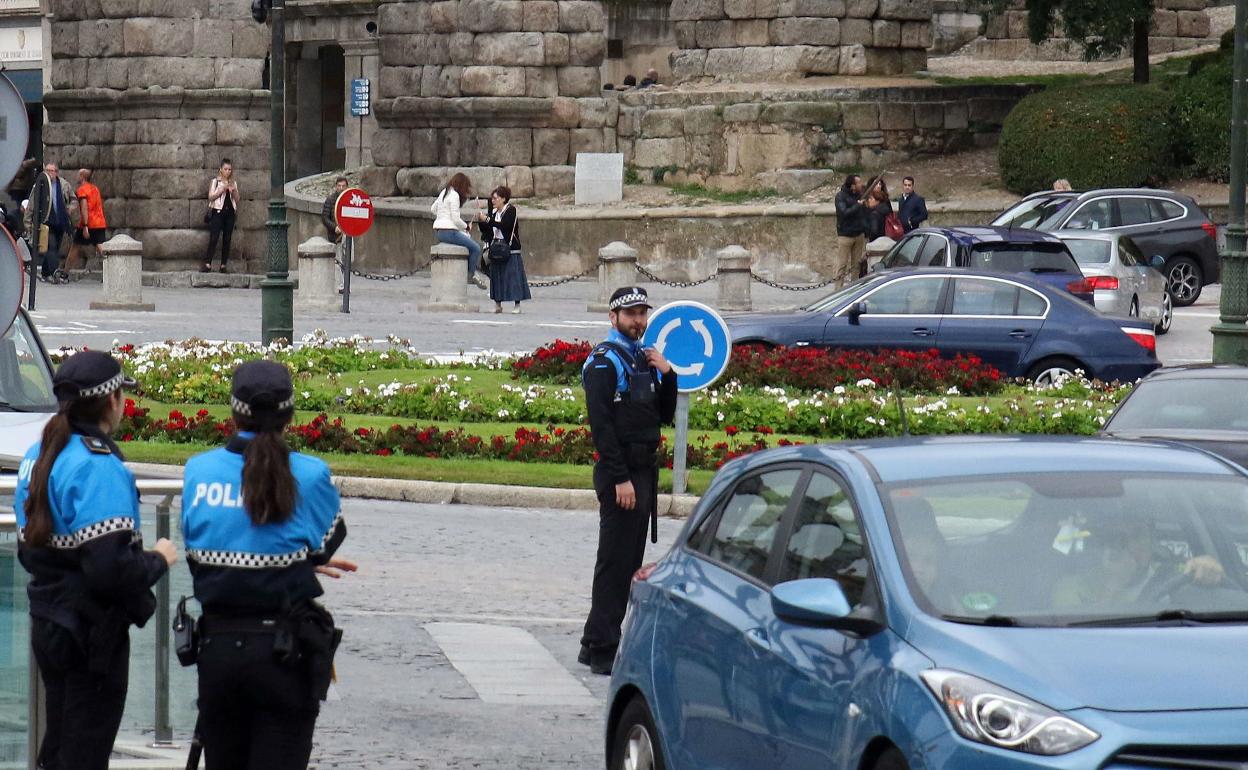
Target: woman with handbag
<point>501,231</point>
<point>222,211</point>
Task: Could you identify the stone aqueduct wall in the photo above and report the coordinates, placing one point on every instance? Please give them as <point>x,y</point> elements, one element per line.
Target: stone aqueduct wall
<point>152,94</point>
<point>751,40</point>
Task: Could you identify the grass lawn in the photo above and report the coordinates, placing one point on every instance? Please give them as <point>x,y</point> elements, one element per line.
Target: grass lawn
<point>425,468</point>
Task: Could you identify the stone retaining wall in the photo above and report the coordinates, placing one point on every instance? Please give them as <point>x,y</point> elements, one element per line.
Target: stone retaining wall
<point>153,95</point>
<point>797,139</point>
<point>752,40</point>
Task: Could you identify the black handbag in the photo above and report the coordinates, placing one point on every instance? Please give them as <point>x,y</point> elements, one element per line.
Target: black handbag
<point>500,251</point>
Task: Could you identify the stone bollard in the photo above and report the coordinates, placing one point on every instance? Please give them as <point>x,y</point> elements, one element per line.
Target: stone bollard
<point>877,250</point>
<point>318,276</point>
<point>617,266</point>
<point>734,278</point>
<point>123,276</point>
<point>448,268</point>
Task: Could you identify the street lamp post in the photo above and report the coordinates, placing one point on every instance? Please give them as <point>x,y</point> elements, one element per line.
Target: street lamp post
<point>276,290</point>
<point>1230,334</point>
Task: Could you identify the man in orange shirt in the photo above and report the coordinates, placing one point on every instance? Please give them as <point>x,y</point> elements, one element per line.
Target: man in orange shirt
<point>94,225</point>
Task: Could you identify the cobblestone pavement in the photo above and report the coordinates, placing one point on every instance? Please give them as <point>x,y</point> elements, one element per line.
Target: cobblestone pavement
<point>403,705</point>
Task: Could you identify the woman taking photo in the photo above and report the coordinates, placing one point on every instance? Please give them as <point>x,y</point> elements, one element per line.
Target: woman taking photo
<point>222,211</point>
<point>449,225</point>
<point>259,522</point>
<point>508,282</point>
<point>78,537</point>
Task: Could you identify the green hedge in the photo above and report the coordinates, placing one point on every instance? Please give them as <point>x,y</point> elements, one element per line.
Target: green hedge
<point>1202,118</point>
<point>1100,136</point>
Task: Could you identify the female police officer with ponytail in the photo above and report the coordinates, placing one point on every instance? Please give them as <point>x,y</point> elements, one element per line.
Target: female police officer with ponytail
<point>259,522</point>
<point>78,517</point>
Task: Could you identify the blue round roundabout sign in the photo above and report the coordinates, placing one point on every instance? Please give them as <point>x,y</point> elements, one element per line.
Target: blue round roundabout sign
<point>694,339</point>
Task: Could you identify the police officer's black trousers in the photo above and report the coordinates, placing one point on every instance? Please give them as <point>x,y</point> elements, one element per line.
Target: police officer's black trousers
<point>255,713</point>
<point>83,709</point>
<point>621,547</point>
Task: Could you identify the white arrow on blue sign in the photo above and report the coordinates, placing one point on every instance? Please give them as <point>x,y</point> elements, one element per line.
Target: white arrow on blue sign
<point>694,339</point>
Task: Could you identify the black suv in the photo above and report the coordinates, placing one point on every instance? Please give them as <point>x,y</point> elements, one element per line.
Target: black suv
<point>1160,222</point>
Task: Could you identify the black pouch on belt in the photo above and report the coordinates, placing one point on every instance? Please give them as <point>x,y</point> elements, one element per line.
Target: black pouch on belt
<point>185,635</point>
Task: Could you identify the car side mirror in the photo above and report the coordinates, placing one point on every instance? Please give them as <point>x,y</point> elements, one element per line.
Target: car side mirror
<point>821,602</point>
<point>855,310</point>
<point>1157,261</point>
<point>878,266</point>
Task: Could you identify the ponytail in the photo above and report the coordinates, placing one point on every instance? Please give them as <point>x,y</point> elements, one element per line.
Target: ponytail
<point>269,489</point>
<point>56,436</point>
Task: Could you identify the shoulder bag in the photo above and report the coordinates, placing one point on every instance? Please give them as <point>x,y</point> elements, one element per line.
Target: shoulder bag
<point>500,250</point>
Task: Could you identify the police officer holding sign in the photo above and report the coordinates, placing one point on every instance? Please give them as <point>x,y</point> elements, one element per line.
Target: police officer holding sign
<point>629,392</point>
<point>260,521</point>
<point>78,537</point>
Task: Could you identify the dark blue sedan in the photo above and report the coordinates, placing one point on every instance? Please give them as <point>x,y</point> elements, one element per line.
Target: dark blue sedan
<point>1021,326</point>
<point>999,249</point>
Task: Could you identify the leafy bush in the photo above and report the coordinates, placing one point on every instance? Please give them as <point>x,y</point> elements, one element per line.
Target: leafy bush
<point>1202,118</point>
<point>1100,136</point>
<point>559,361</point>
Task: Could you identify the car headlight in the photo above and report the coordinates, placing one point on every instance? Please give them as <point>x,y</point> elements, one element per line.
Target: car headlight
<point>985,713</point>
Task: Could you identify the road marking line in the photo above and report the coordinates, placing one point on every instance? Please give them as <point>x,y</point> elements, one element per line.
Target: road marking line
<point>1194,314</point>
<point>479,323</point>
<point>508,665</point>
<point>451,617</point>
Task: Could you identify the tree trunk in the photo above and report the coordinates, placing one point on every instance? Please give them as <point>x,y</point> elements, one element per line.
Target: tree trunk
<point>1139,50</point>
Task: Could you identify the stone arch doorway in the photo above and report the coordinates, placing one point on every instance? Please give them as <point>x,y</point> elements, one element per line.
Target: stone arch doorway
<point>319,125</point>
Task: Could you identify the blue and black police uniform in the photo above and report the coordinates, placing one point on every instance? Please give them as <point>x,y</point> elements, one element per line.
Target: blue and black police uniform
<point>265,647</point>
<point>91,581</point>
<point>627,402</point>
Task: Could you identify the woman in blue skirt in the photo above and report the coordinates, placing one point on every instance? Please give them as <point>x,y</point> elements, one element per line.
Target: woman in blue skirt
<point>508,283</point>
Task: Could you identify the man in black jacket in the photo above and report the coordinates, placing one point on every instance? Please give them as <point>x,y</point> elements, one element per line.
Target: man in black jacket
<point>911,208</point>
<point>332,233</point>
<point>630,391</point>
<point>851,229</point>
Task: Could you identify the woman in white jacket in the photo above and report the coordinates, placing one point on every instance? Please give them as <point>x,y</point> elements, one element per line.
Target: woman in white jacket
<point>449,226</point>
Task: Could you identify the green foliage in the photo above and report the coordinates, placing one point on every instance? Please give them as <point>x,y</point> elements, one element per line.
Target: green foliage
<point>736,196</point>
<point>1103,28</point>
<point>631,175</point>
<point>1103,136</point>
<point>1202,118</point>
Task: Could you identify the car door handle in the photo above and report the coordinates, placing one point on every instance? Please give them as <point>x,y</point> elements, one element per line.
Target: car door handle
<point>923,331</point>
<point>758,637</point>
<point>1020,334</point>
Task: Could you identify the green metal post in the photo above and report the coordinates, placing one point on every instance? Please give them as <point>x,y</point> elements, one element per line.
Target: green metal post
<point>276,290</point>
<point>1230,334</point>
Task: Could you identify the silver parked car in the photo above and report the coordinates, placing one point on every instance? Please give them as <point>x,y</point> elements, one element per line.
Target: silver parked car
<point>1123,280</point>
<point>26,399</point>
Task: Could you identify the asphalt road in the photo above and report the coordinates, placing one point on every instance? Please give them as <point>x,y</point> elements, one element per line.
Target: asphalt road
<point>393,307</point>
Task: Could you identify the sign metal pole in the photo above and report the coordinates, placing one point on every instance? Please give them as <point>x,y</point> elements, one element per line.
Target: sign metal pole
<point>348,252</point>
<point>680,449</point>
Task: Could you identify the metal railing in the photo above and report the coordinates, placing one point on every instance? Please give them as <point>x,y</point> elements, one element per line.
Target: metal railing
<point>166,490</point>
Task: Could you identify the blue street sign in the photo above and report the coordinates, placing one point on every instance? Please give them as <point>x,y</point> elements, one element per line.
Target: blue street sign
<point>360,93</point>
<point>694,339</point>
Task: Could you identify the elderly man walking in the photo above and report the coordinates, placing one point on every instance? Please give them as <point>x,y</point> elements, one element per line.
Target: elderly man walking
<point>52,206</point>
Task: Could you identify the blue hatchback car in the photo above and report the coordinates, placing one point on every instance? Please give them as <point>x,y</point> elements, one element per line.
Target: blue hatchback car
<point>957,603</point>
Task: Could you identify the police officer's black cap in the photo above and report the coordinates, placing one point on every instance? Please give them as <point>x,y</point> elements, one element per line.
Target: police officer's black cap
<point>87,374</point>
<point>262,387</point>
<point>629,296</point>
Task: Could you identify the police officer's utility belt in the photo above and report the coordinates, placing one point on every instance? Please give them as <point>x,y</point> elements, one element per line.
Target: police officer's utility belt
<point>238,625</point>
<point>640,456</point>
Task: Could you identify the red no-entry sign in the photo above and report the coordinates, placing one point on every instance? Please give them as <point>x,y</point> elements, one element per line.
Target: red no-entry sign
<point>354,212</point>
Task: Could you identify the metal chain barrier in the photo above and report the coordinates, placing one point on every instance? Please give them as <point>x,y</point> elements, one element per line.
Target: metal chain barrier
<point>383,276</point>
<point>790,287</point>
<point>565,279</point>
<point>675,284</point>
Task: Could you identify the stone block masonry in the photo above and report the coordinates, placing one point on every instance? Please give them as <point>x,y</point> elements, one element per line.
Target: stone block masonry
<point>757,40</point>
<point>153,95</point>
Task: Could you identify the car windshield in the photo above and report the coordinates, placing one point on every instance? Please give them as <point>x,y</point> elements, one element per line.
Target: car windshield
<point>834,300</point>
<point>1195,403</point>
<point>1090,252</point>
<point>25,378</point>
<point>1023,258</point>
<point>1075,548</point>
<point>1032,212</point>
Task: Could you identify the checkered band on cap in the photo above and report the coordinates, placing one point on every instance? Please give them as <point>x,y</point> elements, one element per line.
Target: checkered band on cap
<point>244,408</point>
<point>116,382</point>
<point>628,299</point>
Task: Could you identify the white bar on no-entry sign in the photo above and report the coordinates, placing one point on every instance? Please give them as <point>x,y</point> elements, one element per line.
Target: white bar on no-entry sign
<point>355,212</point>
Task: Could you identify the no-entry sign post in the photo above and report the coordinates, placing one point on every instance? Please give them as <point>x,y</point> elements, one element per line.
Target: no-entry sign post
<point>354,214</point>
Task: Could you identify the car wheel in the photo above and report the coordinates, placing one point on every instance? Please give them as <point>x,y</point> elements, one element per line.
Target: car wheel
<point>1167,314</point>
<point>1134,310</point>
<point>891,759</point>
<point>1053,372</point>
<point>1185,279</point>
<point>636,745</point>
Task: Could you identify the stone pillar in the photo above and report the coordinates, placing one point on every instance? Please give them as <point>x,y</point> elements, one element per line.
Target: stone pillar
<point>362,59</point>
<point>318,276</point>
<point>448,267</point>
<point>877,250</point>
<point>734,278</point>
<point>617,266</point>
<point>123,276</point>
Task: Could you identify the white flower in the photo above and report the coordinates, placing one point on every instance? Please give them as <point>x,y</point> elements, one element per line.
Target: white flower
<point>839,389</point>
<point>953,391</point>
<point>464,404</point>
<point>503,414</point>
<point>348,391</point>
<point>865,382</point>
<point>872,420</point>
<point>719,416</point>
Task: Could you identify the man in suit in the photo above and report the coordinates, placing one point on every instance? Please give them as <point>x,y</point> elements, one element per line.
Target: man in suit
<point>54,204</point>
<point>911,208</point>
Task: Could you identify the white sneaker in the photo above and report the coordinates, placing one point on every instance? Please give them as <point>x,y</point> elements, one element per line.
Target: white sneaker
<point>516,310</point>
